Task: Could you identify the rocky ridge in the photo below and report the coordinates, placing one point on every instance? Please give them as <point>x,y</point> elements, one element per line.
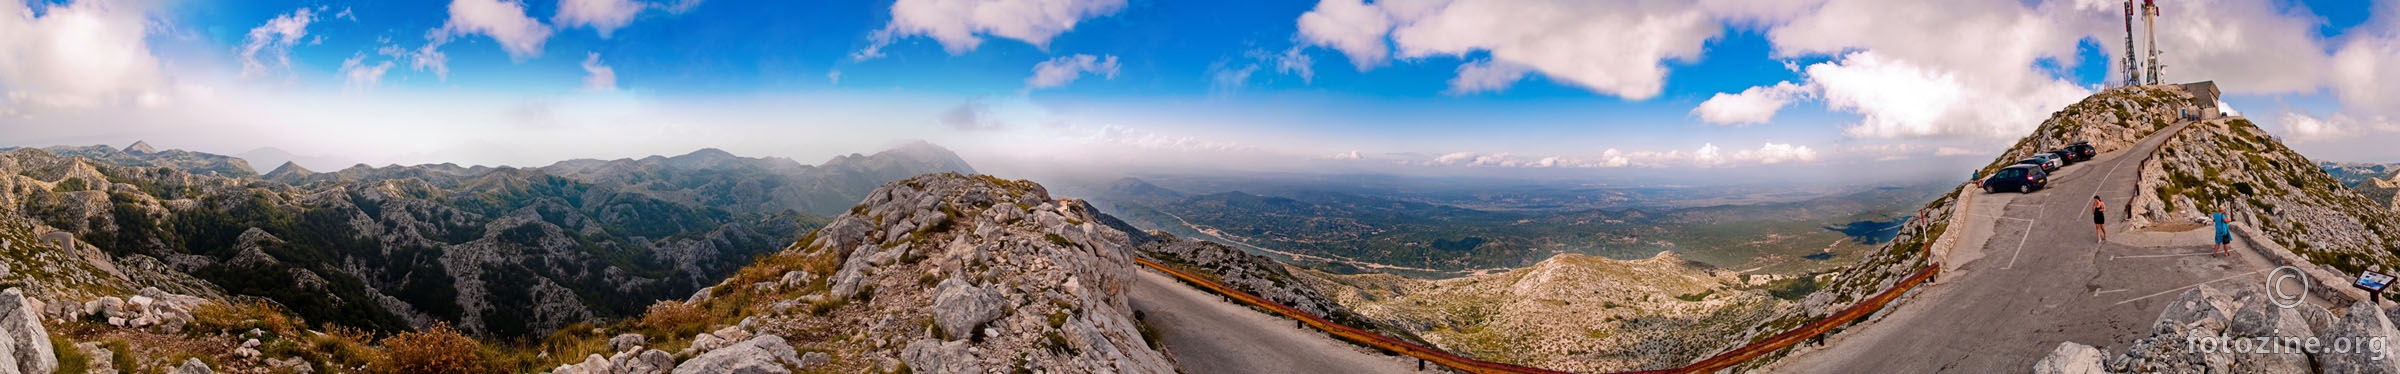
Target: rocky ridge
<point>950,273</point>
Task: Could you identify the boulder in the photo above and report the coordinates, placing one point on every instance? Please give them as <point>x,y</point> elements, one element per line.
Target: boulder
<point>936,357</point>
<point>2200,305</point>
<point>2358,343</point>
<point>2071,358</point>
<point>958,308</point>
<point>706,342</point>
<point>643,362</point>
<point>29,342</point>
<point>814,359</point>
<point>624,342</point>
<point>761,355</point>
<point>293,365</point>
<point>192,366</point>
<point>732,334</point>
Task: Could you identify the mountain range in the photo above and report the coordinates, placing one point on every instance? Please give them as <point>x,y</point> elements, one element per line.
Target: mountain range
<point>496,251</point>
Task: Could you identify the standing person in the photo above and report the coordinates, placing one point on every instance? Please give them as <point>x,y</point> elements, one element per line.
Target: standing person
<point>2100,217</point>
<point>2224,232</point>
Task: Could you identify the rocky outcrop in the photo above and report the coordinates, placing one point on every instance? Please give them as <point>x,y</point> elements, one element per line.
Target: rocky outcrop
<point>2203,330</point>
<point>952,273</point>
<point>759,355</point>
<point>23,341</point>
<point>1257,275</point>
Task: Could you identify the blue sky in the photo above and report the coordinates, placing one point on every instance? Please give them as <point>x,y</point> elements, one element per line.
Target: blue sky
<point>1566,87</point>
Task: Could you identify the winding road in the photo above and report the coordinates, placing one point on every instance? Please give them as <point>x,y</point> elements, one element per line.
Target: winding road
<point>2031,273</point>
<point>1207,335</point>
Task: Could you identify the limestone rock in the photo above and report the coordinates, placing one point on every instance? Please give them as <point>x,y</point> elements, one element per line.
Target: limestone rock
<point>763,354</point>
<point>29,343</point>
<point>959,307</point>
<point>935,357</point>
<point>624,342</point>
<point>2071,358</point>
<point>2348,351</point>
<point>192,366</point>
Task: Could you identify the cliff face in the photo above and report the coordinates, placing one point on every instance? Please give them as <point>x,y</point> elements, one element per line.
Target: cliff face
<point>2234,164</point>
<point>951,273</point>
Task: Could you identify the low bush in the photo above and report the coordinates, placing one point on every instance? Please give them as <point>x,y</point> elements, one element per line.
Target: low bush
<point>435,350</point>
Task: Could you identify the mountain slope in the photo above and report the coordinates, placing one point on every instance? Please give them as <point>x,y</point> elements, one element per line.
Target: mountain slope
<point>2377,182</point>
<point>763,185</point>
<point>2234,164</point>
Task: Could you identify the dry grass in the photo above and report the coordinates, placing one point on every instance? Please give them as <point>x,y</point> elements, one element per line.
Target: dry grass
<point>436,350</point>
<point>237,316</point>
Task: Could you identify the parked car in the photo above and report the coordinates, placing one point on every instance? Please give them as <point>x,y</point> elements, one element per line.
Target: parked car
<point>2048,162</point>
<point>2023,178</point>
<point>2064,157</point>
<point>2082,151</point>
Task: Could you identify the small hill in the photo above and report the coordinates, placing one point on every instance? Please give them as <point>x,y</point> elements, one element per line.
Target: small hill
<point>763,185</point>
<point>1571,312</point>
<point>289,173</point>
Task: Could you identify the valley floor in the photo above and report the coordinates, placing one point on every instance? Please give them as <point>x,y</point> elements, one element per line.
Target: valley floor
<point>1207,334</point>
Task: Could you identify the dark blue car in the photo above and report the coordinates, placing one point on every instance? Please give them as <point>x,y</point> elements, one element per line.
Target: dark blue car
<point>2023,178</point>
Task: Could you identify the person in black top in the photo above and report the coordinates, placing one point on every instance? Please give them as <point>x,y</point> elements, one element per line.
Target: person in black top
<point>2100,217</point>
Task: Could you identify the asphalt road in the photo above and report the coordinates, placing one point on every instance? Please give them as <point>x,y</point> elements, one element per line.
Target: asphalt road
<point>2032,274</point>
<point>1209,335</point>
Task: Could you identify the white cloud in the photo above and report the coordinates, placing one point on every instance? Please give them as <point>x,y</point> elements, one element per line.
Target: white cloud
<point>81,55</point>
<point>1485,76</point>
<point>1616,47</point>
<point>1955,151</point>
<point>833,77</point>
<point>1065,69</point>
<point>1350,26</point>
<point>503,20</point>
<point>275,40</point>
<point>1351,155</point>
<point>2246,46</point>
<point>1293,61</point>
<point>959,24</point>
<point>2366,73</point>
<point>598,77</point>
<point>356,74</point>
<point>2306,127</point>
<point>1755,105</point>
<point>605,16</point>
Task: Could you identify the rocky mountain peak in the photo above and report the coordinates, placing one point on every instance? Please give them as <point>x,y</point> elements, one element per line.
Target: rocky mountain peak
<point>289,172</point>
<point>140,147</point>
<point>997,274</point>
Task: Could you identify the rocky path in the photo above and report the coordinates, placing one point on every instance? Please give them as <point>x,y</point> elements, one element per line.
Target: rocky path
<point>2032,274</point>
<point>1209,335</point>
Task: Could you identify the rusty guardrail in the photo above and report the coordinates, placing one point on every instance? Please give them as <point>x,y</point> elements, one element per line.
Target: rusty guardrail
<point>1721,361</point>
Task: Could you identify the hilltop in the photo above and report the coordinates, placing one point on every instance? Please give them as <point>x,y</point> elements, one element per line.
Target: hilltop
<point>2231,163</point>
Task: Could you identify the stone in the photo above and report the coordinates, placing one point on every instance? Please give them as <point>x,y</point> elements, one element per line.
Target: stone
<point>293,365</point>
<point>22,325</point>
<point>192,366</point>
<point>2071,358</point>
<point>245,352</point>
<point>761,355</point>
<point>815,359</point>
<point>795,278</point>
<point>2201,305</point>
<point>645,362</point>
<point>2351,344</point>
<point>706,342</point>
<point>936,357</point>
<point>625,342</point>
<point>732,334</point>
<point>958,307</point>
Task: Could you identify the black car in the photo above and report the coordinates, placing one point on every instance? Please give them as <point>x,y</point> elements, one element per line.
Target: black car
<point>2047,162</point>
<point>2064,156</point>
<point>2023,178</point>
<point>2082,151</point>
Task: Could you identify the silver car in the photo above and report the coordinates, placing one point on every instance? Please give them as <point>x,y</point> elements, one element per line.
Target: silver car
<point>2050,162</point>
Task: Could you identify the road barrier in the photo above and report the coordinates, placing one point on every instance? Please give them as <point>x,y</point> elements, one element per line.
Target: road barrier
<point>1711,364</point>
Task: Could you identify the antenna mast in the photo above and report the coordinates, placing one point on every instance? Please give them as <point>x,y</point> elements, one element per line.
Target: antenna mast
<point>2150,23</point>
<point>2133,64</point>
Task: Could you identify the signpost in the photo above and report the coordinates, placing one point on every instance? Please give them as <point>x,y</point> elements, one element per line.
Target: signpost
<point>2374,283</point>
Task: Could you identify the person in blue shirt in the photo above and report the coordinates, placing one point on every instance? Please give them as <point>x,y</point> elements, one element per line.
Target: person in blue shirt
<point>2224,232</point>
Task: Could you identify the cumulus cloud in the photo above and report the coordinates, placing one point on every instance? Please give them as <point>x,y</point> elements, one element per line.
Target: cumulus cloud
<point>959,25</point>
<point>356,74</point>
<point>680,6</point>
<point>1614,47</point>
<point>2246,46</point>
<point>1350,26</point>
<point>2305,127</point>
<point>502,20</point>
<point>1233,75</point>
<point>1755,105</point>
<point>274,40</point>
<point>81,55</point>
<point>1485,76</point>
<point>598,77</point>
<point>1062,70</point>
<point>605,16</point>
